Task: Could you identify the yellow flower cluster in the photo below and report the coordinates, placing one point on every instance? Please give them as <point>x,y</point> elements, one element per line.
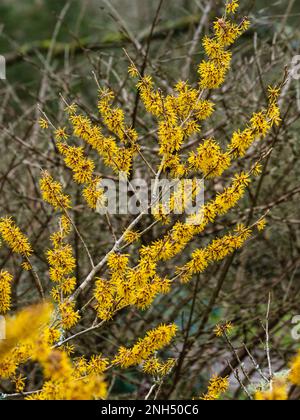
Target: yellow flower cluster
<point>60,258</point>
<point>209,159</point>
<point>217,386</point>
<point>259,126</point>
<point>93,193</point>
<point>43,123</point>
<point>61,261</point>
<point>118,158</point>
<point>14,238</point>
<point>97,365</point>
<point>105,296</point>
<point>81,166</point>
<point>294,375</point>
<point>213,71</point>
<point>140,285</point>
<point>182,233</point>
<point>28,337</point>
<point>60,134</point>
<point>222,329</point>
<point>52,192</point>
<point>114,119</point>
<point>75,159</point>
<point>154,340</point>
<point>153,366</point>
<point>19,382</point>
<point>62,264</point>
<point>212,161</point>
<point>131,236</point>
<point>151,98</point>
<point>232,6</point>
<point>22,331</point>
<point>51,335</point>
<point>216,251</point>
<point>132,289</point>
<point>178,114</point>
<point>65,380</point>
<point>83,173</point>
<point>70,387</point>
<point>185,192</point>
<point>127,286</point>
<point>5,291</point>
<point>278,391</point>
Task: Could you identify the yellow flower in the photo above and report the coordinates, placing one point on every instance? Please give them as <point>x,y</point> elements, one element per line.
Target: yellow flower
<point>294,375</point>
<point>19,382</point>
<point>209,159</point>
<point>104,294</point>
<point>83,173</point>
<point>245,24</point>
<point>93,193</point>
<point>62,257</point>
<point>278,392</point>
<point>60,134</point>
<point>153,341</point>
<point>114,119</point>
<point>68,285</point>
<point>97,364</point>
<point>56,364</point>
<point>14,238</point>
<point>273,93</point>
<point>166,367</point>
<point>118,262</point>
<point>133,71</point>
<point>23,328</point>
<point>152,99</point>
<point>273,114</point>
<point>51,335</point>
<point>170,137</point>
<point>261,224</point>
<point>43,123</point>
<point>260,124</point>
<point>52,192</point>
<point>26,266</point>
<point>216,251</point>
<point>240,142</point>
<point>69,317</point>
<point>71,109</point>
<point>232,6</point>
<point>69,349</point>
<point>212,76</point>
<point>257,169</point>
<point>5,291</point>
<point>216,52</point>
<point>131,236</point>
<point>216,387</point>
<point>222,329</point>
<point>153,366</point>
<point>227,32</point>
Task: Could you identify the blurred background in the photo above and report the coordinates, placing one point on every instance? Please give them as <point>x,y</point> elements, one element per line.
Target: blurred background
<point>27,26</point>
